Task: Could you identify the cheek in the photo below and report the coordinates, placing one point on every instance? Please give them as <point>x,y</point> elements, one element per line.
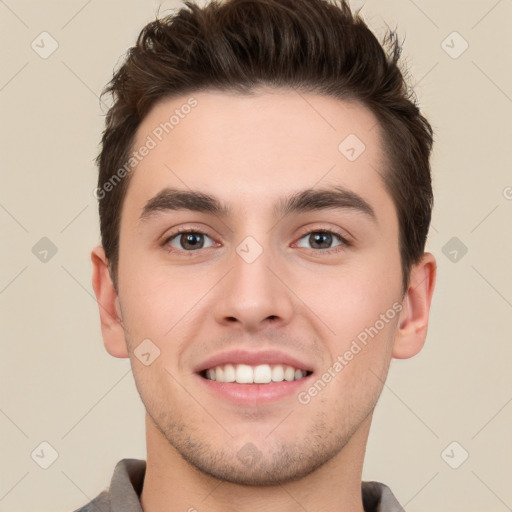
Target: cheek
<point>355,295</point>
<point>150,304</point>
<point>160,302</point>
<point>360,306</point>
<point>361,351</point>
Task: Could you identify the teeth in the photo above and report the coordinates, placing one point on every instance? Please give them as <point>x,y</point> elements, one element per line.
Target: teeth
<point>229,373</point>
<point>243,374</point>
<point>260,374</point>
<point>278,373</point>
<point>289,373</point>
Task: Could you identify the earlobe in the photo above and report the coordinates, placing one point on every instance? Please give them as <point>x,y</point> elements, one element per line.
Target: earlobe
<point>108,303</point>
<point>413,321</point>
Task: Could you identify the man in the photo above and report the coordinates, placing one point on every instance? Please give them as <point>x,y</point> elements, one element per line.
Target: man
<point>265,198</point>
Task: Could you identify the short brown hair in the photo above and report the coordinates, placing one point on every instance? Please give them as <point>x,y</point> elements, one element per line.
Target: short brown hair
<point>307,45</point>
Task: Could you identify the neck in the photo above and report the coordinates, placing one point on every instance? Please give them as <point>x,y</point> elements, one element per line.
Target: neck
<point>172,484</point>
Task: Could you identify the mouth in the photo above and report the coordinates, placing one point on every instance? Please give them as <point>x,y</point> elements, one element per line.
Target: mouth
<point>254,374</point>
<point>253,379</point>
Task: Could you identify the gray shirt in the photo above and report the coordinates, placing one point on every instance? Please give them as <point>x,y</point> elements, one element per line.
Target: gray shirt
<point>128,478</point>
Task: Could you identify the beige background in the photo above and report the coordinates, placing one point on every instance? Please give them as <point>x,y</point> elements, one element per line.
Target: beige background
<point>59,385</point>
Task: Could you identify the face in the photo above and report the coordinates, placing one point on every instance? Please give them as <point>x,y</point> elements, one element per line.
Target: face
<point>274,271</point>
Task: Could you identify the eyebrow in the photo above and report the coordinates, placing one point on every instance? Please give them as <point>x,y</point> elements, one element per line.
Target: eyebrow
<point>302,201</point>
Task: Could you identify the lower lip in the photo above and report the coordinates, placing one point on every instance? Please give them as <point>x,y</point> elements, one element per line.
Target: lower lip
<point>255,394</point>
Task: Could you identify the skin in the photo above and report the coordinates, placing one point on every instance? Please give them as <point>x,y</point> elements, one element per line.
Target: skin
<point>250,151</point>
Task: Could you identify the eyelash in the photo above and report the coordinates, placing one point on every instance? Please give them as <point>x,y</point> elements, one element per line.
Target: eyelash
<point>344,242</point>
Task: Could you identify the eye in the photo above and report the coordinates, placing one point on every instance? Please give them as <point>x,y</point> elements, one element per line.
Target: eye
<point>188,240</point>
<point>322,239</point>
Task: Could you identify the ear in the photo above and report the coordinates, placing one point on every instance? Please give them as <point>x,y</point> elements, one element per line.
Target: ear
<point>108,303</point>
<point>413,320</point>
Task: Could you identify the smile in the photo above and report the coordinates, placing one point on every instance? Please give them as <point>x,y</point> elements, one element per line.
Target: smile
<point>258,374</point>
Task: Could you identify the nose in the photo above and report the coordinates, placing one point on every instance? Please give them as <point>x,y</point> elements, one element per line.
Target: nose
<point>254,294</point>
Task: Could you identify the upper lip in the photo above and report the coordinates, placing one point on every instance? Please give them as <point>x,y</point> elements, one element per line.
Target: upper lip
<point>240,356</point>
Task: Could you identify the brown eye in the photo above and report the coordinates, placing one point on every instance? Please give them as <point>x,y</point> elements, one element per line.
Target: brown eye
<point>188,240</point>
<point>322,240</point>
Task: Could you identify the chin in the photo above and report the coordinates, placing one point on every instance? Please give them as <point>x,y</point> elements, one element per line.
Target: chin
<point>250,466</point>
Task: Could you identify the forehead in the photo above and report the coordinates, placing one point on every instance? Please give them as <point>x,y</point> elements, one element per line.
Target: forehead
<point>244,149</point>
